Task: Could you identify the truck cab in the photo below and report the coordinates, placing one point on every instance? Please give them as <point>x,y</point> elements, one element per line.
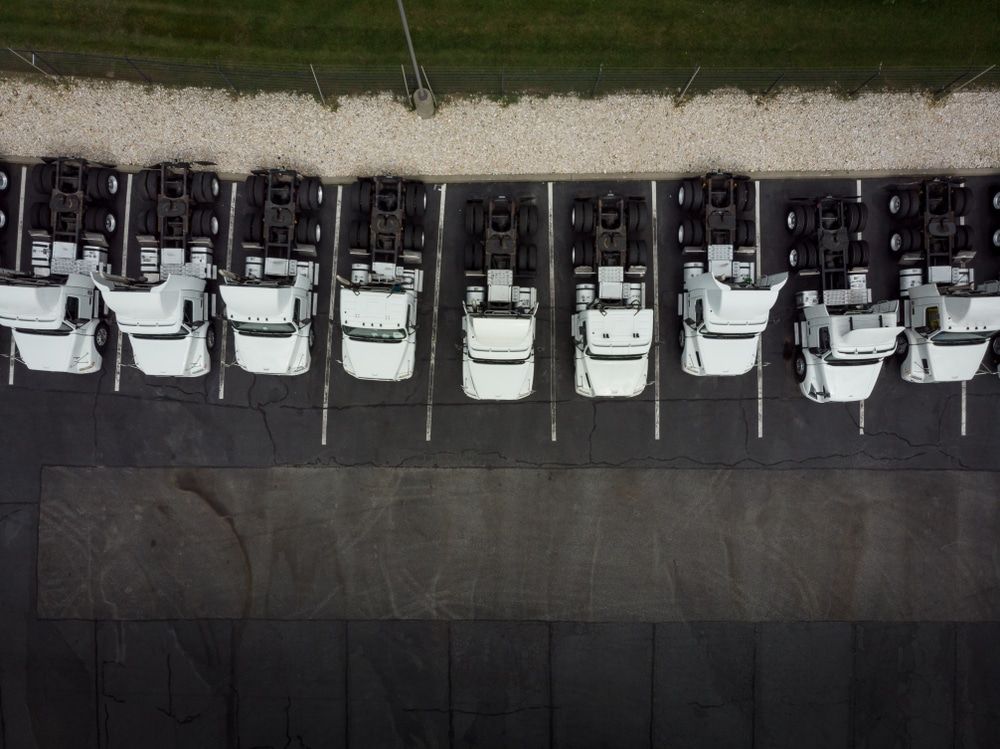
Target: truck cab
<point>498,321</point>
<point>55,311</point>
<point>166,312</point>
<point>272,306</point>
<point>723,307</point>
<point>378,304</point>
<point>612,328</point>
<point>948,320</point>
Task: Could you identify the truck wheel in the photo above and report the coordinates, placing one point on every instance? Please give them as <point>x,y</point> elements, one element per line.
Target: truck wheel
<point>796,257</point>
<point>470,224</point>
<point>896,241</point>
<point>255,227</point>
<point>995,349</point>
<point>307,230</point>
<point>408,237</point>
<point>478,219</point>
<point>365,188</point>
<point>309,195</point>
<point>41,216</point>
<point>470,256</point>
<point>3,219</point>
<point>636,215</point>
<point>632,253</point>
<point>101,220</point>
<point>744,196</point>
<point>44,176</point>
<point>899,203</point>
<point>101,336</point>
<point>205,222</point>
<point>576,215</point>
<point>996,201</point>
<point>532,258</point>
<point>800,367</point>
<point>416,199</point>
<point>210,337</point>
<point>589,252</point>
<point>959,200</point>
<point>522,258</point>
<point>149,184</point>
<point>147,221</point>
<point>746,233</point>
<point>963,237</point>
<point>527,221</point>
<point>857,254</point>
<point>690,196</point>
<point>4,181</point>
<point>576,254</point>
<point>209,186</point>
<point>312,338</point>
<point>588,216</point>
<point>996,238</point>
<point>681,337</point>
<point>902,347</point>
<point>795,220</point>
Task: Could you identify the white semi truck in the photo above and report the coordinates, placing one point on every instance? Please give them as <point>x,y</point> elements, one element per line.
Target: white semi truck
<point>949,320</point>
<point>612,327</point>
<point>167,313</point>
<point>55,311</point>
<point>724,307</point>
<point>272,305</point>
<point>841,336</point>
<point>378,304</point>
<point>498,321</point>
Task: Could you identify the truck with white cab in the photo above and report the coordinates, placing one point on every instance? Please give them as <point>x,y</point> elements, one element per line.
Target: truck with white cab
<point>272,305</point>
<point>612,328</point>
<point>949,322</point>
<point>55,311</point>
<point>724,307</point>
<point>498,320</point>
<point>378,303</point>
<point>167,312</point>
<point>841,336</point>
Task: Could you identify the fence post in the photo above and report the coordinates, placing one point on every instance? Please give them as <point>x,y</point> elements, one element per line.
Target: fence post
<point>24,59</point>
<point>35,55</point>
<point>225,78</point>
<point>321,97</point>
<point>977,75</point>
<point>600,72</point>
<point>137,70</point>
<point>693,76</point>
<point>406,84</point>
<point>775,83</point>
<point>868,80</point>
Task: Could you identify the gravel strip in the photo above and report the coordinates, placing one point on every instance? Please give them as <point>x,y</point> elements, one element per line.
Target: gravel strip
<point>130,124</point>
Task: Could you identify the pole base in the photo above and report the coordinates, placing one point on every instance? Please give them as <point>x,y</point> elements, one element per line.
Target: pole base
<point>423,102</point>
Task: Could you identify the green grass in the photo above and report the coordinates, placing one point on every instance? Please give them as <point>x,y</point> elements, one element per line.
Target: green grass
<point>521,33</point>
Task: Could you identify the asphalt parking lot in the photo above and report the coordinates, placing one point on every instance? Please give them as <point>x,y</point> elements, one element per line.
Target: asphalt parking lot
<point>217,561</point>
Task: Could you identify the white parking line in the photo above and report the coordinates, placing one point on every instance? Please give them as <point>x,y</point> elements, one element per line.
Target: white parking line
<point>329,316</point>
<point>434,324</point>
<point>656,315</point>
<point>552,320</point>
<point>229,266</point>
<point>964,397</point>
<point>17,264</point>
<point>861,404</point>
<point>123,269</point>
<point>760,340</point>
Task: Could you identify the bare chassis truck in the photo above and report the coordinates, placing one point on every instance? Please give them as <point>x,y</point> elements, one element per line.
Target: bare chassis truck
<point>841,336</point>
<point>167,313</point>
<point>724,307</point>
<point>498,322</point>
<point>55,311</point>
<point>272,305</point>
<point>378,304</point>
<point>949,321</point>
<point>612,327</point>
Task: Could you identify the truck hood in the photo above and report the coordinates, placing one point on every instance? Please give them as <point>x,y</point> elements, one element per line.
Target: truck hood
<point>495,337</point>
<point>862,343</point>
<point>944,363</point>
<point>277,355</point>
<point>707,356</point>
<point>603,378</point>
<point>844,384</point>
<point>39,307</point>
<point>617,332</point>
<point>735,310</point>
<point>272,304</point>
<point>173,357</point>
<point>962,314</point>
<point>498,382</point>
<point>74,352</point>
<point>367,308</point>
<point>159,309</point>
<point>374,360</point>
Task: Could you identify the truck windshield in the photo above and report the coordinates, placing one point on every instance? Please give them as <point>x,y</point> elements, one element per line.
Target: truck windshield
<point>850,362</point>
<point>613,357</point>
<point>498,361</point>
<point>958,339</point>
<point>281,329</point>
<point>728,335</point>
<point>376,335</point>
<point>64,329</point>
<point>163,336</point>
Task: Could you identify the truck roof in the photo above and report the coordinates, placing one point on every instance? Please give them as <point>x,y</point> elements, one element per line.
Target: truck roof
<point>962,312</point>
<point>38,306</point>
<point>495,332</point>
<point>731,307</point>
<point>373,308</point>
<point>160,306</point>
<point>619,328</point>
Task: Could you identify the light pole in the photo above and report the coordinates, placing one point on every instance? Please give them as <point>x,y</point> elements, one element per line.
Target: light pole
<point>423,102</point>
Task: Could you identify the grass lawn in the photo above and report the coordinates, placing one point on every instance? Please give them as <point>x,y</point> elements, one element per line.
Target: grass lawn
<point>521,33</point>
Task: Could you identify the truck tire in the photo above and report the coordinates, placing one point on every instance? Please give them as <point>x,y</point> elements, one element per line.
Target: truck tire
<point>899,203</point>
<point>3,219</point>
<point>744,196</point>
<point>416,194</point>
<point>532,258</point>
<point>41,216</point>
<point>995,349</point>
<point>44,177</point>
<point>857,254</point>
<point>101,336</point>
<point>996,237</point>
<point>4,181</point>
<point>308,230</point>
<point>204,222</point>
<point>795,220</point>
<point>746,233</point>
<point>310,194</point>
<point>210,336</point>
<point>963,237</point>
<point>799,365</point>
<point>527,221</point>
<point>408,237</point>
<point>478,219</point>
<point>255,227</point>
<point>365,189</point>
<point>312,337</point>
<point>902,347</point>
<point>636,215</point>
<point>470,256</point>
<point>205,187</point>
<point>149,184</point>
<point>576,215</point>
<point>148,221</point>
<point>690,195</point>
<point>102,184</point>
<point>588,216</point>
<point>996,201</point>
<point>100,219</point>
<point>691,233</point>
<point>521,258</point>
<point>960,200</point>
<point>589,252</point>
<point>576,254</point>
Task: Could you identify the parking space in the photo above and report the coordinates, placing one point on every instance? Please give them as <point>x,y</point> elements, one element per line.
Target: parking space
<point>326,416</point>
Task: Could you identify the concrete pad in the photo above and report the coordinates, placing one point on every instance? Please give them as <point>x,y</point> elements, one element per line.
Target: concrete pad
<point>398,687</point>
<point>601,688</point>
<point>500,684</point>
<point>703,685</point>
<point>591,545</point>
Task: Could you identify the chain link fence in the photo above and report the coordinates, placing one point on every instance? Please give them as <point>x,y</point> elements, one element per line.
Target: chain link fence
<point>331,82</point>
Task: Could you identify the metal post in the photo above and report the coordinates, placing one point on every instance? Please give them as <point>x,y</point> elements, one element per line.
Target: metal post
<point>321,97</point>
<point>423,101</point>
<point>36,56</point>
<point>776,82</point>
<point>959,88</point>
<point>868,80</point>
<point>137,70</point>
<point>951,83</point>
<point>600,72</point>
<point>693,76</point>
<point>24,59</point>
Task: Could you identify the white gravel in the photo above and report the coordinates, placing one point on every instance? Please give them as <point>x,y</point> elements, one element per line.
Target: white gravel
<point>135,125</point>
